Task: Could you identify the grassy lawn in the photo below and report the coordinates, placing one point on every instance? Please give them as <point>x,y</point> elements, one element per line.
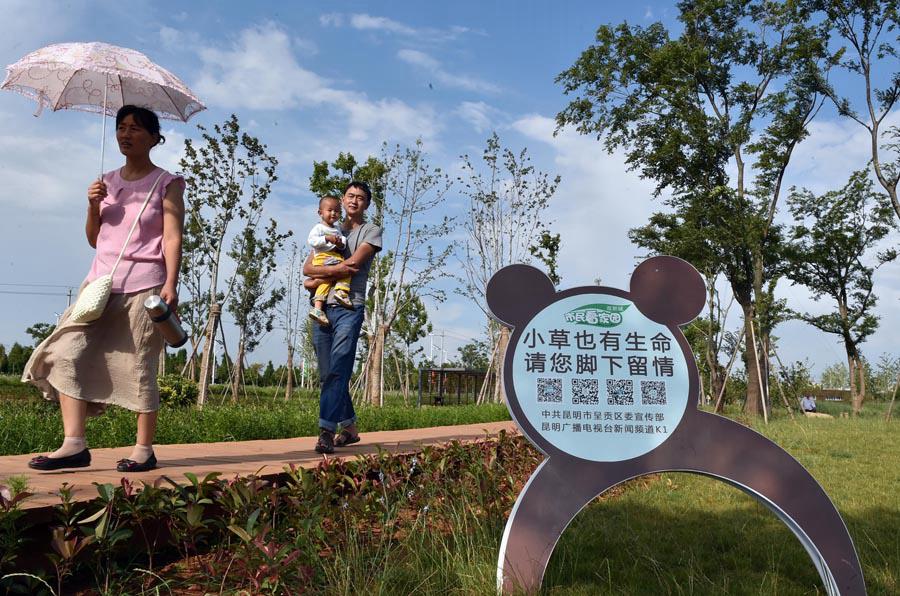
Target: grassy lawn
<point>687,534</point>
<point>29,424</point>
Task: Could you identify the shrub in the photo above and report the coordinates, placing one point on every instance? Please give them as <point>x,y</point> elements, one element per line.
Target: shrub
<point>177,391</point>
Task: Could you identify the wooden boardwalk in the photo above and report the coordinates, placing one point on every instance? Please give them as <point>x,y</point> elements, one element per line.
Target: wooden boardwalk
<point>265,458</point>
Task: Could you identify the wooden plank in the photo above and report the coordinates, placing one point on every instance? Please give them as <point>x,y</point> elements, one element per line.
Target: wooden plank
<point>267,457</point>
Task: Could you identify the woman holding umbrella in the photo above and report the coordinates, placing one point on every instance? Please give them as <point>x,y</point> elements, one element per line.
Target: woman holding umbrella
<point>114,359</point>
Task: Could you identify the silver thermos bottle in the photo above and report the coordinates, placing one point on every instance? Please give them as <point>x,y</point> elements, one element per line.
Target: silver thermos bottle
<point>168,325</point>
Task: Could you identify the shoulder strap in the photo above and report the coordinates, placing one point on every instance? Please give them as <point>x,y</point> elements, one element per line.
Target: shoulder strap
<point>136,220</point>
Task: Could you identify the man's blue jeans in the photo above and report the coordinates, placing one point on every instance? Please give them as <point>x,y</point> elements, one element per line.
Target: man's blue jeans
<point>335,347</point>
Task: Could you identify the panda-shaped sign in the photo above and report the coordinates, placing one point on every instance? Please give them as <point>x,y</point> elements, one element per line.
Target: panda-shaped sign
<point>604,383</point>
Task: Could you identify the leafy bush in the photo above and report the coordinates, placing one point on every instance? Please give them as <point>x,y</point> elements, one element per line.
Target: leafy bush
<point>177,391</point>
<point>264,536</point>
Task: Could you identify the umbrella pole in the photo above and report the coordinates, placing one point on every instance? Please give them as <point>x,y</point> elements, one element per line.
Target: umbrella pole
<point>103,134</point>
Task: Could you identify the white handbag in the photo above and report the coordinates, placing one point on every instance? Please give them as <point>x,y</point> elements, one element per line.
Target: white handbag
<point>94,296</point>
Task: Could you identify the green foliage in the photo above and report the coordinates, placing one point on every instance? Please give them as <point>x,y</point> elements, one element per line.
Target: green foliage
<point>4,360</point>
<point>18,358</point>
<point>177,391</point>
<point>253,299</point>
<point>866,51</point>
<point>40,331</point>
<point>270,537</point>
<point>795,380</point>
<point>474,355</point>
<point>229,176</point>
<point>546,250</point>
<point>331,179</point>
<point>506,220</point>
<point>829,246</point>
<point>885,376</point>
<point>12,388</point>
<point>713,116</point>
<point>835,376</point>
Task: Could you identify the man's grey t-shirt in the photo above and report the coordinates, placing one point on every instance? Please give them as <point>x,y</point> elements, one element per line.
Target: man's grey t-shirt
<point>366,233</point>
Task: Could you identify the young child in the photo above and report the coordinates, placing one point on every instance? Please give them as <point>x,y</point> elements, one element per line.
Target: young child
<point>326,240</point>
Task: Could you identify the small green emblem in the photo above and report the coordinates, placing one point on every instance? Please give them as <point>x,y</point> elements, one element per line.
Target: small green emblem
<point>598,315</point>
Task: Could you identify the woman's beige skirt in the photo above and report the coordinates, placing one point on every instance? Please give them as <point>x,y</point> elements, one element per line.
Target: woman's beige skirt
<point>112,360</point>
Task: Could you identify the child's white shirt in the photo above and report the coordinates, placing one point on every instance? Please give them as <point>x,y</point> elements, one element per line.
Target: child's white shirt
<point>317,239</point>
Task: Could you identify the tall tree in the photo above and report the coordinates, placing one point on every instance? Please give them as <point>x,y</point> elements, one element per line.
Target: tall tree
<point>254,296</point>
<point>885,375</point>
<point>229,176</point>
<point>40,331</point>
<point>474,355</point>
<point>505,224</point>
<point>713,114</point>
<point>331,179</point>
<point>835,376</point>
<point>291,311</point>
<point>416,249</point>
<point>410,326</point>
<point>194,309</point>
<point>867,35</point>
<point>18,358</point>
<point>836,236</point>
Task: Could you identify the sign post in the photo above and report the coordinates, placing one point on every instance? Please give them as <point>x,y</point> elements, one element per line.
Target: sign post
<point>604,383</point>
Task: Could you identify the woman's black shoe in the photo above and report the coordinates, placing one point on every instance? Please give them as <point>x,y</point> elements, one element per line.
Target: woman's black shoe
<point>129,465</point>
<point>82,459</point>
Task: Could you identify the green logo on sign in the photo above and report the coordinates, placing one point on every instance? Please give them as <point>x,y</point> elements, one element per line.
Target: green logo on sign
<point>598,315</point>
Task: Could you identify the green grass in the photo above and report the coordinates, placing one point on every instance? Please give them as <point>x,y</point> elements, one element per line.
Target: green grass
<point>688,534</point>
<point>12,388</point>
<point>30,426</point>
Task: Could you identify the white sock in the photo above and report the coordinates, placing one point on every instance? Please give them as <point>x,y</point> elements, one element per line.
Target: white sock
<point>70,446</point>
<point>141,453</point>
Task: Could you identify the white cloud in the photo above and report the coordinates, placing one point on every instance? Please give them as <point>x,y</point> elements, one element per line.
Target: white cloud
<point>433,67</point>
<point>417,58</point>
<point>602,202</point>
<point>32,24</point>
<point>332,19</point>
<point>480,115</point>
<point>260,71</point>
<point>33,178</point>
<point>378,24</point>
<point>365,22</point>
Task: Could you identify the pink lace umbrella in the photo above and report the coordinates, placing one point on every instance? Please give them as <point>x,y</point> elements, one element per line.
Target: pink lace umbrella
<point>98,77</point>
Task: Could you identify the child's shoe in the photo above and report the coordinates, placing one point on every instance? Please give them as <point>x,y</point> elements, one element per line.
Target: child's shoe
<point>341,297</point>
<point>317,315</point>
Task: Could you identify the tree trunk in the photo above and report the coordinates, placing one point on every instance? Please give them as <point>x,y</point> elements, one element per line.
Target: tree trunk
<point>237,371</point>
<point>289,386</point>
<point>192,367</point>
<point>762,356</point>
<point>502,343</point>
<point>161,368</point>
<point>890,409</point>
<point>374,369</point>
<point>203,390</point>
<point>753,405</point>
<point>712,359</point>
<point>857,378</point>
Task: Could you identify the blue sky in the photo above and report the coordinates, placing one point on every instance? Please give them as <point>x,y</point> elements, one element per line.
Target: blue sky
<point>314,78</point>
